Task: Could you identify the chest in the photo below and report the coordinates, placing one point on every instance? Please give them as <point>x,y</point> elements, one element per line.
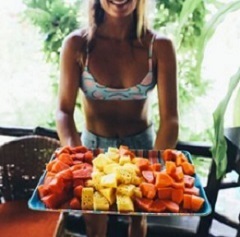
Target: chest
<point>118,65</point>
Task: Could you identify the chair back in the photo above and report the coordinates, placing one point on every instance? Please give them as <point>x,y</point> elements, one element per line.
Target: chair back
<point>22,162</point>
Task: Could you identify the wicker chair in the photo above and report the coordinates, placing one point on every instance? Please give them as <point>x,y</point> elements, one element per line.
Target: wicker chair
<point>22,162</point>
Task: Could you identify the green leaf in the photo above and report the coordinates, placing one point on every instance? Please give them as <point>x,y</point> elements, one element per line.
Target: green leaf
<point>188,8</point>
<point>219,149</point>
<point>209,30</point>
<point>236,111</point>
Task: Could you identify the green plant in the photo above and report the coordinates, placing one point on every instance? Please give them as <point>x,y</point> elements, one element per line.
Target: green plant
<point>55,19</point>
<point>219,149</point>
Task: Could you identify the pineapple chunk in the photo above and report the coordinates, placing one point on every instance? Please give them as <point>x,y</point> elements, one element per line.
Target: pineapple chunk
<point>100,202</point>
<point>124,203</point>
<point>126,189</point>
<point>124,160</point>
<point>109,194</point>
<point>87,198</point>
<point>96,178</point>
<point>137,192</point>
<point>109,181</point>
<point>101,161</point>
<point>108,169</point>
<point>125,174</point>
<point>137,180</point>
<point>113,156</point>
<point>89,183</point>
<point>133,167</point>
<point>113,150</point>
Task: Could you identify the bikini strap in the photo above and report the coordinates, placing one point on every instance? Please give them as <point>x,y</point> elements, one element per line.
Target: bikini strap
<point>87,57</point>
<point>150,53</point>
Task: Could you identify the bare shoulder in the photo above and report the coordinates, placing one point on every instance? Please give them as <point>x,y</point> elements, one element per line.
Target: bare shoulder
<point>75,41</point>
<point>163,46</point>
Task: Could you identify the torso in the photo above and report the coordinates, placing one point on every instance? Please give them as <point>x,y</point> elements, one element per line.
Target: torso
<point>119,66</point>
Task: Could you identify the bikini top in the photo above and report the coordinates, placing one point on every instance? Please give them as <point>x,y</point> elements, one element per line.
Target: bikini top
<point>93,90</point>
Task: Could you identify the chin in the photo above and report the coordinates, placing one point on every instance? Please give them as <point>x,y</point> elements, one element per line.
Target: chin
<point>119,8</point>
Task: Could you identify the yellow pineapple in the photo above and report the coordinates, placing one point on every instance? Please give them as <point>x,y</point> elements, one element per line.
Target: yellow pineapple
<point>108,169</point>
<point>100,202</point>
<point>136,180</point>
<point>113,150</point>
<point>89,183</point>
<point>87,198</point>
<point>125,174</point>
<point>124,160</point>
<point>101,161</point>
<point>96,178</point>
<point>109,194</point>
<point>109,180</point>
<point>126,189</point>
<point>124,203</point>
<point>137,192</point>
<point>133,167</point>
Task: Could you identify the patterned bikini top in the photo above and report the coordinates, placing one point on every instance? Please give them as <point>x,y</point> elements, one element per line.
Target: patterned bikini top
<point>93,90</point>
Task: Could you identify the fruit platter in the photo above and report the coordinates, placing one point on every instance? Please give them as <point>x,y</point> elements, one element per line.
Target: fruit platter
<point>120,181</point>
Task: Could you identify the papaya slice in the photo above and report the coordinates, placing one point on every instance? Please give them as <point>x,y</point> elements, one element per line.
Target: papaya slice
<point>143,204</point>
<point>75,203</point>
<point>65,158</point>
<point>171,206</point>
<point>170,167</point>
<point>187,201</point>
<point>163,179</point>
<point>164,193</point>
<point>188,168</point>
<point>148,176</point>
<point>148,190</point>
<point>177,195</point>
<point>157,206</point>
<point>170,154</point>
<point>77,192</point>
<point>178,174</point>
<point>196,203</point>
<point>155,167</point>
<point>141,163</point>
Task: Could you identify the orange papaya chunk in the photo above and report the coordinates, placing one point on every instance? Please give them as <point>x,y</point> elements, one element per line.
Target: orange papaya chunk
<point>163,179</point>
<point>148,190</point>
<point>178,174</point>
<point>164,193</point>
<point>188,168</point>
<point>170,154</point>
<point>143,204</point>
<point>157,206</point>
<point>170,167</point>
<point>196,203</point>
<point>177,195</point>
<point>187,201</point>
<point>171,206</point>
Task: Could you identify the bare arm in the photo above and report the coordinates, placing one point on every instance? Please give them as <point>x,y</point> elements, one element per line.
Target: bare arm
<point>167,134</point>
<point>68,90</point>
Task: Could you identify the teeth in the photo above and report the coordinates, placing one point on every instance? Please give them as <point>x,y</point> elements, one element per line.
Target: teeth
<point>119,2</point>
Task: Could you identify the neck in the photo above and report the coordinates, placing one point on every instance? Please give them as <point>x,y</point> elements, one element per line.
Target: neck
<point>115,28</point>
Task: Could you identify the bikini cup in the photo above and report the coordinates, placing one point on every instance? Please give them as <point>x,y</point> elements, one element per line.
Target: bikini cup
<point>92,89</point>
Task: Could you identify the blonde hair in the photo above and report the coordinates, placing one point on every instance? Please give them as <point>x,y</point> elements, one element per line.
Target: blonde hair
<point>96,18</point>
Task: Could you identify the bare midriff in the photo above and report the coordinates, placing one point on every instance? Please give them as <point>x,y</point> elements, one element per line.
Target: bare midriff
<point>115,118</point>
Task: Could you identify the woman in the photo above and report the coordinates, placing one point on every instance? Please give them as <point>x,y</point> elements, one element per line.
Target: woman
<point>116,63</point>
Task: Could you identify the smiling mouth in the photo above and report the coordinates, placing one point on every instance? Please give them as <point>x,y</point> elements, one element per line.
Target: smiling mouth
<point>119,3</point>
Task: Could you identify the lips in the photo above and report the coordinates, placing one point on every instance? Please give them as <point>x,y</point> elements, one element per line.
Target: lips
<point>118,2</point>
